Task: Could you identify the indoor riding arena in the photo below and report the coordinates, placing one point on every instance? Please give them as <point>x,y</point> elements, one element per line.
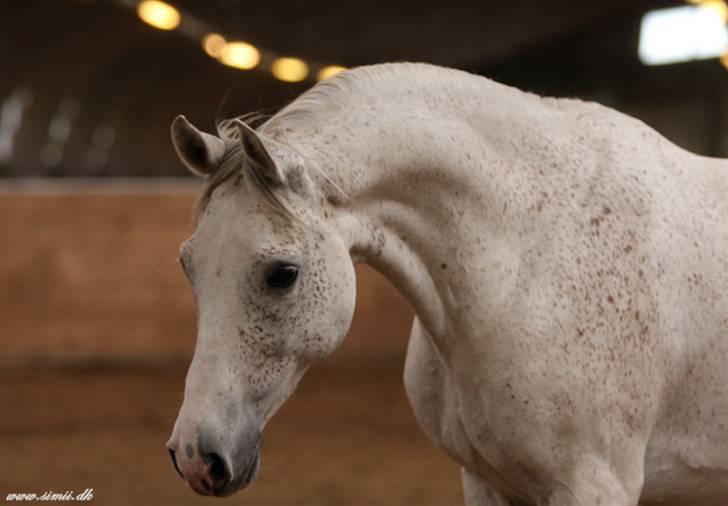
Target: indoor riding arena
<point>99,319</point>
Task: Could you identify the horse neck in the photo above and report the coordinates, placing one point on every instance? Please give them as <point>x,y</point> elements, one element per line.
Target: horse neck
<point>428,189</point>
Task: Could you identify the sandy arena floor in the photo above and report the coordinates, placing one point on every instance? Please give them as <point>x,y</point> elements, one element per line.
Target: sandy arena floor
<point>347,437</point>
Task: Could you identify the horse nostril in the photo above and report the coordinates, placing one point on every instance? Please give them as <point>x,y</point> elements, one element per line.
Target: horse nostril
<point>174,461</point>
<point>218,471</point>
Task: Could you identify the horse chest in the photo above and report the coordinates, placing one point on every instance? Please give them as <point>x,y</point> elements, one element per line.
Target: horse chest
<point>434,399</point>
<point>430,394</point>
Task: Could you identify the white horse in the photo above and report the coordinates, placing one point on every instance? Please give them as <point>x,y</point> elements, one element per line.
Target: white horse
<point>568,267</point>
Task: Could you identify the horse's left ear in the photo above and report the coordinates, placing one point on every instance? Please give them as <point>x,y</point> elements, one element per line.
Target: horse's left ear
<point>255,151</point>
<point>199,151</point>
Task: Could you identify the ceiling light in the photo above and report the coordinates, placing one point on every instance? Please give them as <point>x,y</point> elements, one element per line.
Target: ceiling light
<point>329,71</point>
<point>240,55</point>
<point>158,14</point>
<point>682,34</point>
<point>288,69</point>
<point>213,44</point>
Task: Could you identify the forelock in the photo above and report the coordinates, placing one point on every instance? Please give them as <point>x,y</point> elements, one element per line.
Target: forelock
<point>236,165</point>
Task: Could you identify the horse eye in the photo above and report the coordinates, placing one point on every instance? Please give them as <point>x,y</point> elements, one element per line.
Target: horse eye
<point>282,275</point>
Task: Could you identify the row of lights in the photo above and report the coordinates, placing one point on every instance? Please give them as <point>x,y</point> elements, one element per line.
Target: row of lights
<point>236,54</point>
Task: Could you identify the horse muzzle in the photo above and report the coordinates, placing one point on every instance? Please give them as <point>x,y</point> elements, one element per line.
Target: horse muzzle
<point>212,467</point>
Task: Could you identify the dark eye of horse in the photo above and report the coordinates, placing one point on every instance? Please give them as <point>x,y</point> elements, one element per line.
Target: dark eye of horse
<point>282,275</point>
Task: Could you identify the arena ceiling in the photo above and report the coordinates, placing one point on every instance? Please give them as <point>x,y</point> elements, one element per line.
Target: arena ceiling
<point>90,74</point>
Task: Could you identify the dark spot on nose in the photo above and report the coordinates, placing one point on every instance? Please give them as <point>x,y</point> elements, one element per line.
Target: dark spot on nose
<point>189,450</point>
<point>218,471</point>
<point>174,461</point>
<point>443,265</point>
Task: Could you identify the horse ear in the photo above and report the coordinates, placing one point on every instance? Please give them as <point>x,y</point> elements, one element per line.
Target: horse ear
<point>199,151</point>
<point>256,152</point>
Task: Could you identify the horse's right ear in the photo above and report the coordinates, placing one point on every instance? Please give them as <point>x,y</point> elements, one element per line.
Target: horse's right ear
<point>199,151</point>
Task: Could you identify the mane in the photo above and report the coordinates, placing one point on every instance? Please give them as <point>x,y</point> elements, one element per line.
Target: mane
<point>339,90</point>
<point>326,97</point>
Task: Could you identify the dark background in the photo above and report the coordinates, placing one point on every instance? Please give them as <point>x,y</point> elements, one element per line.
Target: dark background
<point>130,80</point>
